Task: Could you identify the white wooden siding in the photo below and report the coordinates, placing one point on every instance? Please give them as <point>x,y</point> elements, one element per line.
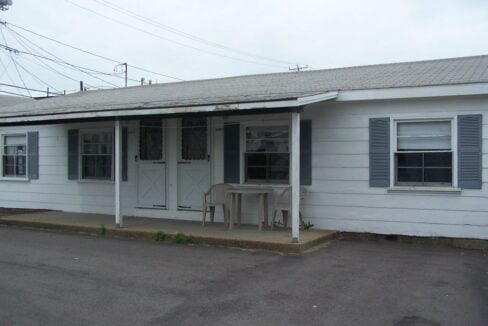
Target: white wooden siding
<point>339,197</point>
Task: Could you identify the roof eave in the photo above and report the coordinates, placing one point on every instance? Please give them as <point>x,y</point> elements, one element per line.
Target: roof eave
<point>151,111</point>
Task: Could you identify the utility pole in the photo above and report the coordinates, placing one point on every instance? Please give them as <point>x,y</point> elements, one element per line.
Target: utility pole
<point>124,70</point>
<point>298,68</point>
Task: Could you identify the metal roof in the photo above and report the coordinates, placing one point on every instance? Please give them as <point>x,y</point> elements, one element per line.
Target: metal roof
<point>261,88</point>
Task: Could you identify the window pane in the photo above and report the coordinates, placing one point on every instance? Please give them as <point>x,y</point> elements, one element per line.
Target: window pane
<point>413,175</point>
<point>256,159</point>
<point>409,159</point>
<point>97,166</point>
<point>438,159</point>
<point>438,175</point>
<point>151,140</point>
<point>194,139</point>
<point>20,166</point>
<point>281,160</point>
<point>434,135</point>
<point>278,174</point>
<point>277,146</point>
<point>427,128</point>
<point>90,149</point>
<point>8,170</point>
<point>15,140</point>
<point>267,157</point>
<point>255,146</point>
<point>256,173</point>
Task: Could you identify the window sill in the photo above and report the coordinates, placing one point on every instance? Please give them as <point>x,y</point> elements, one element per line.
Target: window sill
<point>96,181</point>
<point>417,189</point>
<point>14,179</point>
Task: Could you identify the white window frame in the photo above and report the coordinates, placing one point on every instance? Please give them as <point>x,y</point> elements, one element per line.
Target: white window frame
<point>243,140</point>
<point>394,121</point>
<point>80,155</point>
<point>2,143</point>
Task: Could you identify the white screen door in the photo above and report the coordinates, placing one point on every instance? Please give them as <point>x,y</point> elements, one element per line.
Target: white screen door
<point>151,165</point>
<point>193,163</point>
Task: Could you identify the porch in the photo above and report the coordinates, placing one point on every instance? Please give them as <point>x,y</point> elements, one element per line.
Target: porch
<point>244,236</point>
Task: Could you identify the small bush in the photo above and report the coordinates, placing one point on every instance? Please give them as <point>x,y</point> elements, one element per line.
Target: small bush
<point>307,226</point>
<point>159,236</point>
<point>182,238</point>
<point>102,230</point>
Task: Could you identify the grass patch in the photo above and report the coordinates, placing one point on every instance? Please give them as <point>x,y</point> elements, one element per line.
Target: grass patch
<point>182,238</point>
<point>159,236</point>
<point>307,226</point>
<point>102,230</point>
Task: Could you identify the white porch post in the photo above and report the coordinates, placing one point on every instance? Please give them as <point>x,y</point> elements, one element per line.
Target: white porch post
<point>118,173</point>
<point>295,177</point>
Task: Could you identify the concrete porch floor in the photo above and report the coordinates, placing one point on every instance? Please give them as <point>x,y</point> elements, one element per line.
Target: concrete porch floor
<point>245,236</point>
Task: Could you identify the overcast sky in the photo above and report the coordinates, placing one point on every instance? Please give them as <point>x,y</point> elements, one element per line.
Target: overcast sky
<point>320,34</point>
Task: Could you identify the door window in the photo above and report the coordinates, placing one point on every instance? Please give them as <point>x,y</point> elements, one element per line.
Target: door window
<point>193,139</point>
<point>151,140</point>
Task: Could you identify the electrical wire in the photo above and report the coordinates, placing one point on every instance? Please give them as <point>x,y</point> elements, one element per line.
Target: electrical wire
<point>43,64</point>
<point>173,41</point>
<point>12,93</point>
<point>37,78</point>
<point>173,30</point>
<point>5,70</point>
<point>79,68</point>
<point>92,53</point>
<point>62,62</point>
<point>15,65</point>
<point>31,89</point>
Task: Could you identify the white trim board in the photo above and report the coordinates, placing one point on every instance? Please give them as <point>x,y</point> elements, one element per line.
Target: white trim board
<point>413,92</point>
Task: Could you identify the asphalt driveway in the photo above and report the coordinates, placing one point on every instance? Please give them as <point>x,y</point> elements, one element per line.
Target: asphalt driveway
<point>49,278</point>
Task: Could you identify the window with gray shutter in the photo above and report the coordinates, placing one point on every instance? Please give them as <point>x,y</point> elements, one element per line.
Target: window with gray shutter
<point>232,153</point>
<point>125,144</point>
<point>379,152</point>
<point>306,152</point>
<point>73,154</point>
<point>33,155</point>
<point>469,151</point>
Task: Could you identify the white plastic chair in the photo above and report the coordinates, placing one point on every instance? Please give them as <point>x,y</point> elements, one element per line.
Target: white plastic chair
<point>283,204</point>
<point>216,196</point>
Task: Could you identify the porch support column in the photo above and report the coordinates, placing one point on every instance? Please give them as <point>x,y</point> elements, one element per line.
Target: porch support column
<point>295,177</point>
<point>118,174</point>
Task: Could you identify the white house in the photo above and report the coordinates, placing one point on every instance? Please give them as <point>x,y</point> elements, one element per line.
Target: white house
<point>393,149</point>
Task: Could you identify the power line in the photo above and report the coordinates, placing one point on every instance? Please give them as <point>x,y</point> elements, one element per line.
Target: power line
<point>6,70</point>
<point>79,68</point>
<point>17,94</point>
<point>42,63</point>
<point>185,34</point>
<point>171,40</point>
<point>37,78</point>
<point>62,62</point>
<point>90,52</point>
<point>30,89</point>
<point>15,64</point>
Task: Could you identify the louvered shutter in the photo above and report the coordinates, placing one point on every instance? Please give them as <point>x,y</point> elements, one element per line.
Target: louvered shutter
<point>469,151</point>
<point>379,152</point>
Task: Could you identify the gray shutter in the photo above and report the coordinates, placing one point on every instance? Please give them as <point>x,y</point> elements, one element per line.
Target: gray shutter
<point>306,152</point>
<point>73,154</point>
<point>124,152</point>
<point>379,152</point>
<point>33,154</point>
<point>232,153</point>
<point>469,151</point>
